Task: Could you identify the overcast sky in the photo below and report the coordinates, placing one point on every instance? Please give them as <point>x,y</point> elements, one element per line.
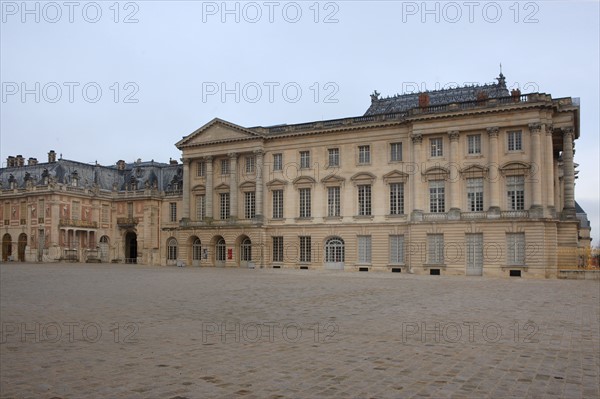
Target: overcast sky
<point>103,81</point>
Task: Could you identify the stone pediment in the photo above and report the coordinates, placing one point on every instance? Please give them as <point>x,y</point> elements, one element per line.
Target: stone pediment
<point>474,170</point>
<point>332,179</point>
<point>276,183</point>
<point>515,168</point>
<point>216,131</point>
<point>395,176</point>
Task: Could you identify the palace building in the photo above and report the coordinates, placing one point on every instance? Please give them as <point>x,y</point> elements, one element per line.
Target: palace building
<point>474,180</point>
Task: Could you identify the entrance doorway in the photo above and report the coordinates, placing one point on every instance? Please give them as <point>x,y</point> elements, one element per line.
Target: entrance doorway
<point>6,247</point>
<point>21,247</point>
<point>474,254</point>
<point>131,247</point>
<point>104,245</point>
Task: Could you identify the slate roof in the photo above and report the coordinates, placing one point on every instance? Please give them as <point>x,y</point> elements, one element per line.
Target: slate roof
<point>164,177</point>
<point>404,102</point>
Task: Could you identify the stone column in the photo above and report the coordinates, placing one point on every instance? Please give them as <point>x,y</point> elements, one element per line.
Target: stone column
<point>209,187</point>
<point>494,173</point>
<point>233,184</point>
<point>186,190</point>
<point>417,195</point>
<point>259,184</point>
<point>569,174</point>
<point>549,171</point>
<point>537,209</point>
<point>453,179</point>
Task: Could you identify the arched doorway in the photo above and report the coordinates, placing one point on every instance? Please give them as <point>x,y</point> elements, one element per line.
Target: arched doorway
<point>334,253</point>
<point>196,251</point>
<point>22,245</point>
<point>104,249</point>
<point>172,251</point>
<point>131,247</point>
<point>6,247</point>
<point>220,252</point>
<point>245,251</point>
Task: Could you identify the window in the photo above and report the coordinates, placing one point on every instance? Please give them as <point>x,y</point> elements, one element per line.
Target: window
<point>305,249</point>
<point>396,152</point>
<point>105,213</point>
<point>277,204</point>
<point>74,215</point>
<point>333,201</point>
<point>220,250</point>
<point>397,249</point>
<point>130,209</point>
<point>475,194</point>
<point>364,249</point>
<point>200,207</point>
<point>304,159</point>
<point>224,166</point>
<point>435,249</point>
<point>364,200</point>
<point>437,202</point>
<point>364,154</point>
<point>23,212</point>
<point>224,206</point>
<point>201,169</point>
<point>305,203</point>
<point>172,249</point>
<point>246,250</point>
<point>277,161</point>
<point>42,206</point>
<point>196,249</point>
<point>173,211</point>
<point>474,144</point>
<point>250,204</point>
<point>334,250</point>
<point>515,248</point>
<point>250,164</point>
<point>515,186</point>
<point>334,157</point>
<point>277,249</point>
<point>514,141</point>
<point>437,147</point>
<point>396,198</point>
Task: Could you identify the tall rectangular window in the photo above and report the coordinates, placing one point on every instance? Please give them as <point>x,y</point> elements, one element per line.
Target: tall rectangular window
<point>75,214</point>
<point>224,166</point>
<point>364,154</point>
<point>23,212</point>
<point>41,210</point>
<point>173,211</point>
<point>397,249</point>
<point>250,204</point>
<point>515,186</point>
<point>305,206</point>
<point>396,152</point>
<point>333,157</point>
<point>278,161</point>
<point>201,169</point>
<point>364,249</point>
<point>200,207</point>
<point>364,200</point>
<point>475,194</point>
<point>437,200</point>
<point>474,144</point>
<point>304,159</point>
<point>437,147</point>
<point>277,204</point>
<point>305,249</point>
<point>277,249</point>
<point>250,164</point>
<point>224,211</point>
<point>515,142</point>
<point>333,201</point>
<point>130,209</point>
<point>515,248</point>
<point>105,213</point>
<point>435,249</point>
<point>396,198</point>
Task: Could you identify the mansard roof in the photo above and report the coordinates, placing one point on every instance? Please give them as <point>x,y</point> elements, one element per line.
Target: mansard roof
<point>404,102</point>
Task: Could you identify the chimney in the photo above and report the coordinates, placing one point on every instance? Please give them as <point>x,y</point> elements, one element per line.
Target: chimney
<point>51,156</point>
<point>172,161</point>
<point>120,164</point>
<point>10,162</point>
<point>20,161</point>
<point>32,161</point>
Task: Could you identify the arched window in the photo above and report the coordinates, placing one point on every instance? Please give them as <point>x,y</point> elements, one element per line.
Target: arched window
<point>334,250</point>
<point>172,249</point>
<point>196,249</point>
<point>220,252</point>
<point>246,250</point>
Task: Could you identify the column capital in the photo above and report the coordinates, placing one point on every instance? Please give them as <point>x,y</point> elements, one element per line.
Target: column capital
<point>568,130</point>
<point>535,128</point>
<point>186,161</point>
<point>454,135</point>
<point>233,155</point>
<point>493,131</point>
<point>549,129</point>
<point>417,138</point>
<point>208,158</point>
<point>258,153</point>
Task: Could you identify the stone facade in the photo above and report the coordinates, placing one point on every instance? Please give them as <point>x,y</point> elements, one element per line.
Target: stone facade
<point>480,186</point>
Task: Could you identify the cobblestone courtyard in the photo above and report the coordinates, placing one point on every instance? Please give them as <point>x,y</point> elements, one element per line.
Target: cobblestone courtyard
<point>127,331</point>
